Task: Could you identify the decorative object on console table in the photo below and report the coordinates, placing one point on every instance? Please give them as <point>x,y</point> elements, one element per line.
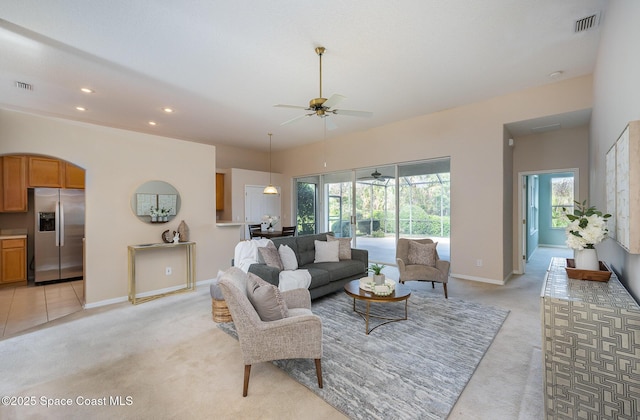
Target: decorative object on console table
<point>183,230</point>
<point>586,228</point>
<point>167,237</point>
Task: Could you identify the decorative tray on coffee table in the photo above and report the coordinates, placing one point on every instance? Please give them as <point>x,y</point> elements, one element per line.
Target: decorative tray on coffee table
<point>389,286</point>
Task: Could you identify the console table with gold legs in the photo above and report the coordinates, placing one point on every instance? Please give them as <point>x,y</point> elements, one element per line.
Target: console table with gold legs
<point>190,256</point>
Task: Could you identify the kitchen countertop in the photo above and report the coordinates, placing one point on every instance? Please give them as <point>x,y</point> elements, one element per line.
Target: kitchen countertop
<point>12,237</point>
<point>228,223</point>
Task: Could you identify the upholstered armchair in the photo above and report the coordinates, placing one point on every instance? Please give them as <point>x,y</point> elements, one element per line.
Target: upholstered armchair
<point>418,260</point>
<point>296,336</point>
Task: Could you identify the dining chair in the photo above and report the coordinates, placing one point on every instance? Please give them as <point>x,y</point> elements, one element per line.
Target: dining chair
<point>289,230</point>
<point>254,231</point>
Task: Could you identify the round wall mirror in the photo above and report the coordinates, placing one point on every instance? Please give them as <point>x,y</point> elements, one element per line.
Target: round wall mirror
<point>156,202</point>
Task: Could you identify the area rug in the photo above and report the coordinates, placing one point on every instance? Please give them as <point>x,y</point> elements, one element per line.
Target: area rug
<point>413,369</point>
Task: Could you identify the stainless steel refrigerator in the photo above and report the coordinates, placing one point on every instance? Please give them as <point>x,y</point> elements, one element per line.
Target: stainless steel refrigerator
<point>58,234</point>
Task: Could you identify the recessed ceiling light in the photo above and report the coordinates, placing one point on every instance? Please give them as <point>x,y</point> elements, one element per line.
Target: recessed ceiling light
<point>81,108</point>
<point>152,123</point>
<point>87,90</point>
<point>556,74</point>
<point>167,110</point>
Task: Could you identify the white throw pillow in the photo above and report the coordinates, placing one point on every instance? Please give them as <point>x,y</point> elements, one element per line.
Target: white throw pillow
<point>327,251</point>
<point>288,257</point>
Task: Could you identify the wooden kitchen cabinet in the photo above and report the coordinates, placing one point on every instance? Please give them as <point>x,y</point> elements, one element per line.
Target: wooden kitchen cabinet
<point>219,191</point>
<point>73,176</point>
<point>45,172</point>
<point>13,184</point>
<point>13,260</point>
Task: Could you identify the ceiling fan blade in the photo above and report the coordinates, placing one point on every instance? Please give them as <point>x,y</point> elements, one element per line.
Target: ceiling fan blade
<point>291,106</point>
<point>333,100</point>
<point>296,119</point>
<point>351,113</point>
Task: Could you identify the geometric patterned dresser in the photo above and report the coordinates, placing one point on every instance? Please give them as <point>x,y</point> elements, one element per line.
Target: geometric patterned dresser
<point>591,348</point>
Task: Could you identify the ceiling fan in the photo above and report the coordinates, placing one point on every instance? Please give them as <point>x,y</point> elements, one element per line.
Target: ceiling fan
<point>323,107</point>
<point>375,176</point>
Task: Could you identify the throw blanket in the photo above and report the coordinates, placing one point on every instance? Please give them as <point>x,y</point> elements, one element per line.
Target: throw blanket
<point>294,279</point>
<point>246,253</point>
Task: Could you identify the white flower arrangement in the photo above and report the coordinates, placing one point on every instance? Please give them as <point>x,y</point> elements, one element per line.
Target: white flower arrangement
<point>271,220</point>
<point>587,226</point>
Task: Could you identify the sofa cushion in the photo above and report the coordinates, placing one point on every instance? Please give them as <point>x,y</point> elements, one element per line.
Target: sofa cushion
<point>345,246</point>
<point>326,251</point>
<point>319,277</point>
<point>266,299</point>
<point>338,270</point>
<point>306,248</point>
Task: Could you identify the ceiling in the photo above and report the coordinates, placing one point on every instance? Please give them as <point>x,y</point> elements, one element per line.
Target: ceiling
<point>222,65</point>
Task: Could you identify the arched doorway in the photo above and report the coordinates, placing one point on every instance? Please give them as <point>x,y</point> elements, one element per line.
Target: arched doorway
<point>28,298</point>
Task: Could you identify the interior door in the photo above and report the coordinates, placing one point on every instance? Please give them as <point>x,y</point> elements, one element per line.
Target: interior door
<point>257,205</point>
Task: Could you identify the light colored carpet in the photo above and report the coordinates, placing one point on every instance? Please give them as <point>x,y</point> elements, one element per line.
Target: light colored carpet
<point>167,355</point>
<point>413,369</point>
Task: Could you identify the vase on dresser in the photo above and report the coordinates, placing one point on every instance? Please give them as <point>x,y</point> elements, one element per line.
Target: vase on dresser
<point>586,259</point>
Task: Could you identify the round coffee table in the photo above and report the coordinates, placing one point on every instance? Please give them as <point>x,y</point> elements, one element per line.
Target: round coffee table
<point>401,293</point>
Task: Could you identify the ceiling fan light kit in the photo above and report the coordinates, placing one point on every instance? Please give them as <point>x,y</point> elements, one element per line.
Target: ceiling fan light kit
<point>323,107</point>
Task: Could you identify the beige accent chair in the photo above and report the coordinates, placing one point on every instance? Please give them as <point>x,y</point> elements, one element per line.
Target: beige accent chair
<point>417,272</point>
<point>299,336</point>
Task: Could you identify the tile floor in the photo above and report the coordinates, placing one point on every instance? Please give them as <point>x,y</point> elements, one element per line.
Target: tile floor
<point>24,307</point>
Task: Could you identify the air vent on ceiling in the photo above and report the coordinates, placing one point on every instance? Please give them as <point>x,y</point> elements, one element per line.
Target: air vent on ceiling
<point>23,85</point>
<point>586,23</point>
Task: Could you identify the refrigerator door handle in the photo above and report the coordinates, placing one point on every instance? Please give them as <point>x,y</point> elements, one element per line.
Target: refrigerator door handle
<point>61,223</point>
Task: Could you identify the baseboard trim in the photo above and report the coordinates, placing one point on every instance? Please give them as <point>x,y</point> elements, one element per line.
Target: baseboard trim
<point>106,302</point>
<point>141,295</point>
<point>478,279</point>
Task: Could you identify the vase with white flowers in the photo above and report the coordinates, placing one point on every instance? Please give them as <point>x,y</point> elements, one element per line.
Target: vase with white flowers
<point>270,221</point>
<point>587,227</point>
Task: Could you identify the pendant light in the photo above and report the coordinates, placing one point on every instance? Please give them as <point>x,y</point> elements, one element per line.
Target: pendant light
<point>270,189</point>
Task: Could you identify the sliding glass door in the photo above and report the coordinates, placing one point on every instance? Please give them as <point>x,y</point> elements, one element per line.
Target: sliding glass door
<point>338,189</point>
<point>307,205</point>
<point>424,206</point>
<point>376,206</point>
<point>375,212</point>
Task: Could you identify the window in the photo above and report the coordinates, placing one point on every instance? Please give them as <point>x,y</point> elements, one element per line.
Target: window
<point>561,196</point>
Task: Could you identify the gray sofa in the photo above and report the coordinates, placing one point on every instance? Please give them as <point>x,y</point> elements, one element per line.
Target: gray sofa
<point>326,277</point>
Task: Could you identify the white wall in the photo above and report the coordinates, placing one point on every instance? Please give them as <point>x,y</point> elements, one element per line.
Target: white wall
<point>116,163</point>
<point>616,102</point>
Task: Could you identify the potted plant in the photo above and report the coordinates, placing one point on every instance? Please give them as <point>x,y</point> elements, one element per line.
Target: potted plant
<point>587,227</point>
<point>378,277</point>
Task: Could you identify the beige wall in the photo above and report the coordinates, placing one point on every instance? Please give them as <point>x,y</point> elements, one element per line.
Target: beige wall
<point>616,102</point>
<point>473,136</point>
<point>551,151</point>
<point>116,163</point>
